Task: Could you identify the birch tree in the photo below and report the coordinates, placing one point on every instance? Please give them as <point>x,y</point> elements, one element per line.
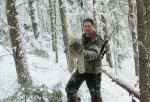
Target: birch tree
<point>23,74</point>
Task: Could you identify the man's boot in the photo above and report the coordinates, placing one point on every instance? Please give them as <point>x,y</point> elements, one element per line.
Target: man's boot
<point>96,99</point>
<point>74,99</point>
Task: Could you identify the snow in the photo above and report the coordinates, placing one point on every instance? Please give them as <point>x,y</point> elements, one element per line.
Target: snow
<point>46,71</point>
<point>7,74</point>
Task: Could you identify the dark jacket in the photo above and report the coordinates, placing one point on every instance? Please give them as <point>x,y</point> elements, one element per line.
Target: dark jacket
<point>92,48</point>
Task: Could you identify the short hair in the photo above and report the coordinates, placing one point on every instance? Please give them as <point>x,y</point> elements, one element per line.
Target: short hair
<point>88,20</point>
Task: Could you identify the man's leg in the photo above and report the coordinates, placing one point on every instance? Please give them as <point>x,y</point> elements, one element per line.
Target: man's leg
<point>73,85</point>
<point>93,82</point>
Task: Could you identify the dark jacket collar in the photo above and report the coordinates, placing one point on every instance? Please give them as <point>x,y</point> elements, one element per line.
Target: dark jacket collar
<point>93,34</point>
<point>86,40</point>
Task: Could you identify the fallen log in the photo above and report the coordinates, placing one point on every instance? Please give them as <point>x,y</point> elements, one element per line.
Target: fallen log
<point>123,84</point>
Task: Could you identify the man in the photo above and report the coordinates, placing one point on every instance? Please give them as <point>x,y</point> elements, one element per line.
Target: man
<point>91,49</point>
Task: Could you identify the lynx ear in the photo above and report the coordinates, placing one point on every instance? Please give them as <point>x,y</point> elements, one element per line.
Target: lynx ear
<point>74,44</point>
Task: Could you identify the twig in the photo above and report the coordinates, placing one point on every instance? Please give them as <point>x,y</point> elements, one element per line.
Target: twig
<point>140,43</point>
<point>5,90</point>
<point>25,3</point>
<point>6,49</point>
<point>41,67</point>
<point>28,2</point>
<point>2,20</point>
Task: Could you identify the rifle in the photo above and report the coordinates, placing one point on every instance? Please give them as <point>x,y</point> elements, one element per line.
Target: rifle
<point>104,49</point>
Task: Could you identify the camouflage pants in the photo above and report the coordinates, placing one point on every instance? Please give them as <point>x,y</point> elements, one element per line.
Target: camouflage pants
<point>93,83</point>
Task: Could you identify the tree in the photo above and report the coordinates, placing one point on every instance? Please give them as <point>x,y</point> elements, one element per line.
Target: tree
<point>52,15</point>
<point>88,8</point>
<point>63,22</point>
<point>55,34</point>
<point>143,25</point>
<point>52,18</point>
<point>32,15</point>
<point>106,35</point>
<point>94,14</point>
<point>70,59</point>
<point>132,26</point>
<point>23,74</point>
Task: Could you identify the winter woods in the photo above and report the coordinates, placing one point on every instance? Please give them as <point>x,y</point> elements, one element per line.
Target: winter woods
<point>40,29</point>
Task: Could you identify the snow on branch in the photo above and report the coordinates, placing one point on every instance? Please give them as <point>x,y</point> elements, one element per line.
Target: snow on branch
<point>123,84</point>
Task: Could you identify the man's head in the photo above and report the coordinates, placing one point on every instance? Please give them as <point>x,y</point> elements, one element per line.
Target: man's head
<point>88,27</point>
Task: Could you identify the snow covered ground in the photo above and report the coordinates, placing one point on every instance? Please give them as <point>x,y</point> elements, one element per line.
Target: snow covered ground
<point>46,71</point>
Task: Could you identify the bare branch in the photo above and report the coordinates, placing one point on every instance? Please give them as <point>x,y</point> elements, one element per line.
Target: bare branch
<point>6,49</point>
<point>140,43</point>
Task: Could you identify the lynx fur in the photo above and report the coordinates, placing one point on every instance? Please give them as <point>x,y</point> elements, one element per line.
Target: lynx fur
<point>74,44</point>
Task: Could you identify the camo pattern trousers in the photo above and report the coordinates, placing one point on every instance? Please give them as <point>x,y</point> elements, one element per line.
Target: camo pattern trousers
<point>93,83</point>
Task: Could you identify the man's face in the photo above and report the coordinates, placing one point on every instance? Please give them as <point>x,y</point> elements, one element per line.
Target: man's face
<point>88,29</point>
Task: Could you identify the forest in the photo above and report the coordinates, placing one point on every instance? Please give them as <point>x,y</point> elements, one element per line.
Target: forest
<point>35,62</point>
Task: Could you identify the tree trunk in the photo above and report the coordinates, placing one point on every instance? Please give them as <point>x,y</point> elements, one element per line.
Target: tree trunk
<point>55,33</point>
<point>63,22</point>
<point>88,8</point>
<point>105,34</point>
<point>52,18</point>
<point>106,37</point>
<point>132,23</point>
<point>143,18</point>
<point>23,74</point>
<point>32,15</point>
<point>94,14</point>
<point>70,59</point>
